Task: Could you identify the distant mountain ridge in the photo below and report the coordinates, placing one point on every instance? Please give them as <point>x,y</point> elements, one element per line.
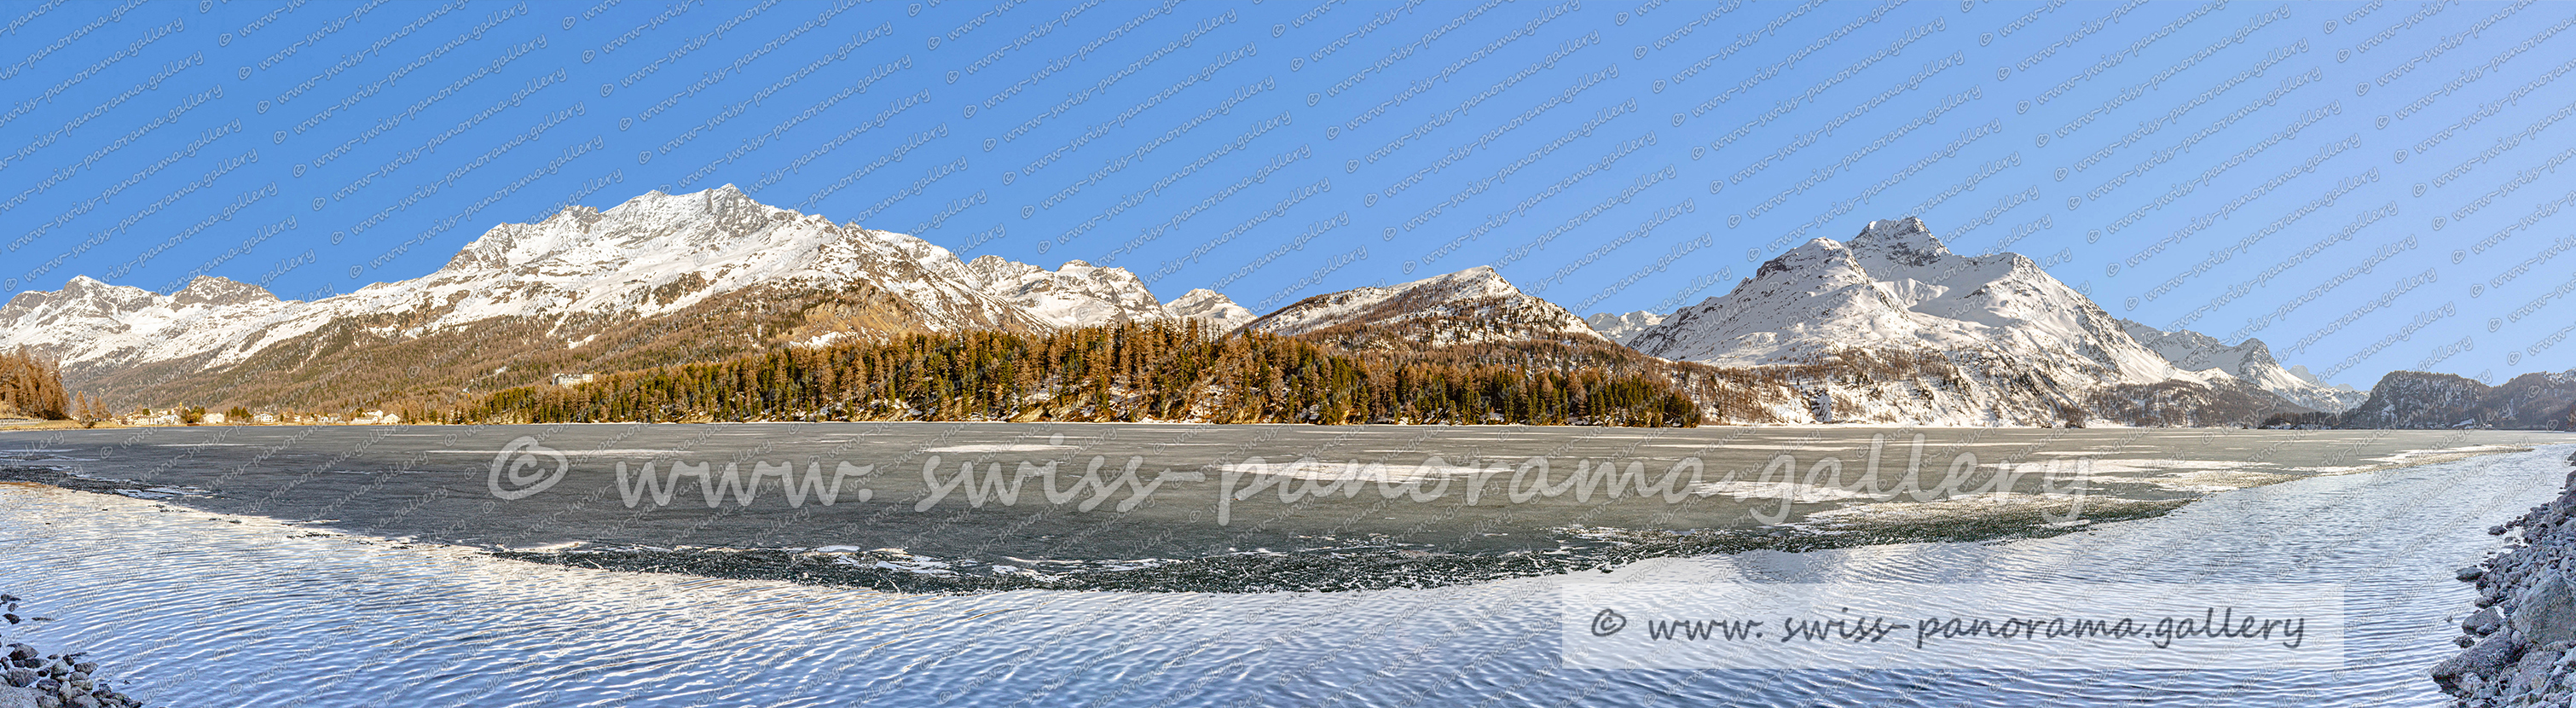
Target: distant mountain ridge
<point>2249,360</point>
<point>1888,326</point>
<point>2426,400</point>
<point>743,274</point>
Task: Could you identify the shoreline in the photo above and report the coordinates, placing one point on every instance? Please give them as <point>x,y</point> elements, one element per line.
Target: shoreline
<point>2519,644</point>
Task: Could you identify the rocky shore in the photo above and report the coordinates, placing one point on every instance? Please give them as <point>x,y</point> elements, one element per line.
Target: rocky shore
<point>29,677</point>
<point>2519,639</point>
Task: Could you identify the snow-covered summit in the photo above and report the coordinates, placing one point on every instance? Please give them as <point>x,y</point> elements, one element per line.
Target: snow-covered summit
<point>1913,332</point>
<point>1895,285</point>
<point>2249,360</point>
<point>1078,294</point>
<point>1472,305</point>
<point>1211,308</point>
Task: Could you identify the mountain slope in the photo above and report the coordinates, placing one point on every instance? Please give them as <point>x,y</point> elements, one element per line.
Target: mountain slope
<point>1470,306</point>
<point>2250,361</point>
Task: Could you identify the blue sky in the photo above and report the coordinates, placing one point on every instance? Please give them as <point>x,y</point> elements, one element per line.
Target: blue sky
<point>2365,186</point>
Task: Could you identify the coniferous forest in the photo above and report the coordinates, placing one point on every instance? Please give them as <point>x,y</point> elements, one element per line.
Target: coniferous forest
<point>32,387</point>
<point>1130,372</point>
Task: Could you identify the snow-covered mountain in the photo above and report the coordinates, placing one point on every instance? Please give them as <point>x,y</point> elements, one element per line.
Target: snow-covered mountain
<point>1896,285</point>
<point>1078,294</point>
<point>1468,306</point>
<point>2249,360</point>
<point>1623,328</point>
<point>579,273</point>
<point>1211,308</point>
<point>1921,334</point>
<point>90,325</point>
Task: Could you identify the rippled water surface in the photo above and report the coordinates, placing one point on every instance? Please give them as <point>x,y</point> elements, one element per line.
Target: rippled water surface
<point>254,587</point>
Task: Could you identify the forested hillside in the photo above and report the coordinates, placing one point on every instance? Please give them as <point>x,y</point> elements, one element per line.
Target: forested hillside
<point>1129,372</point>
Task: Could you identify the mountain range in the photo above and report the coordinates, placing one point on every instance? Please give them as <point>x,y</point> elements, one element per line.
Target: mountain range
<point>1889,326</point>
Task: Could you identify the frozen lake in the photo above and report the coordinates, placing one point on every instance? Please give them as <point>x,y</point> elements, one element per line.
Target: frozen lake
<point>347,566</point>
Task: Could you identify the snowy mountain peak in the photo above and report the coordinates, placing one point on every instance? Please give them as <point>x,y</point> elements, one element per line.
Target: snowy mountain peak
<point>2249,361</point>
<point>1821,259</point>
<point>212,290</point>
<point>1895,288</point>
<point>1076,294</point>
<point>1902,241</point>
<point>1472,305</point>
<point>1211,308</point>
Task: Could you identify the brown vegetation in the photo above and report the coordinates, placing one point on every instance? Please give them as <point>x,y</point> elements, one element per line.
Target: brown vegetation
<point>31,386</point>
<point>1130,372</point>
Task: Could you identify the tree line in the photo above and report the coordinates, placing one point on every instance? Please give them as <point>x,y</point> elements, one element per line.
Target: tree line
<point>1122,373</point>
<point>31,386</point>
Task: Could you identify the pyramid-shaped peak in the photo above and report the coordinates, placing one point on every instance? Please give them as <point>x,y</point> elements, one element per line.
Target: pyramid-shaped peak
<point>1896,227</point>
<point>1905,241</point>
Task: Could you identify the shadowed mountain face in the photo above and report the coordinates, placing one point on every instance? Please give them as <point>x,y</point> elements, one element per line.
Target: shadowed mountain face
<point>2422,400</point>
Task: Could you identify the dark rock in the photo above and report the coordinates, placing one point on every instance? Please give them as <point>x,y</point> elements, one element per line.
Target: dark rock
<point>21,651</point>
<point>2483,622</point>
<point>19,678</point>
<point>2544,610</point>
<point>2465,641</point>
<point>86,667</point>
<point>2470,574</point>
<point>2486,660</point>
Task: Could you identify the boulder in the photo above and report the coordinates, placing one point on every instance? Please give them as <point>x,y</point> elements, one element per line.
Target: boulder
<point>2485,661</point>
<point>2544,610</point>
<point>2483,622</point>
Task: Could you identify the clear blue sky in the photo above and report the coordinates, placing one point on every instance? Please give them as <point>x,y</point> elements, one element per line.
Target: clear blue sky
<point>2366,187</point>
